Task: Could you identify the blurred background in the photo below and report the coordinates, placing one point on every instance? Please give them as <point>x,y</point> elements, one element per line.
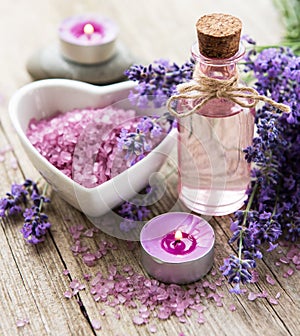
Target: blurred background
<point>26,26</point>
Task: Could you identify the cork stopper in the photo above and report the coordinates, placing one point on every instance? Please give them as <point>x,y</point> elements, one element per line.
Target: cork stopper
<point>218,35</point>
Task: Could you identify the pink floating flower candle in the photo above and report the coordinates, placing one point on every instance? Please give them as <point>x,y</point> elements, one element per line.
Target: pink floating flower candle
<point>177,247</point>
<point>88,38</point>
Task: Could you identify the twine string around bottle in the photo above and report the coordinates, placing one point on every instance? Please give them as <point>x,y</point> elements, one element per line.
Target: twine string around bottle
<point>204,88</point>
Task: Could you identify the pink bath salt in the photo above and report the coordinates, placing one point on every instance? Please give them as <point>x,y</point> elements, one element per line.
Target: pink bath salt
<point>138,320</point>
<point>68,294</point>
<point>273,301</point>
<point>22,322</point>
<point>252,296</point>
<point>96,324</point>
<point>232,308</point>
<point>270,280</point>
<point>82,143</point>
<point>66,272</point>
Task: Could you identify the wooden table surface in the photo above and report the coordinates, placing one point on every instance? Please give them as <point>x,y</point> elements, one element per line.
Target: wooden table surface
<point>32,283</point>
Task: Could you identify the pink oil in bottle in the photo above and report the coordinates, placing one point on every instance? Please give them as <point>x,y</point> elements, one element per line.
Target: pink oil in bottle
<point>213,173</point>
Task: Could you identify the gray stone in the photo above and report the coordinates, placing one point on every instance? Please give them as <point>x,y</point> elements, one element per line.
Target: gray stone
<point>49,63</point>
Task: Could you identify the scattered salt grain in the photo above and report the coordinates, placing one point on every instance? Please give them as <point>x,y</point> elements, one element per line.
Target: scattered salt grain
<point>232,307</point>
<point>270,280</point>
<point>252,296</point>
<point>152,328</point>
<point>68,294</point>
<point>96,324</point>
<point>138,320</point>
<point>22,322</point>
<point>273,301</point>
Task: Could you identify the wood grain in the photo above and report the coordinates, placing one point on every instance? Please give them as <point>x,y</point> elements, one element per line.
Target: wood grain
<point>32,282</point>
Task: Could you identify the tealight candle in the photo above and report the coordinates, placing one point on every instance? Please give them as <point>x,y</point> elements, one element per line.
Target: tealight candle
<point>88,39</point>
<point>177,247</point>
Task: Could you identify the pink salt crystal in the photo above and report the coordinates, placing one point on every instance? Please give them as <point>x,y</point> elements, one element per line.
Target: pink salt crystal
<point>102,312</point>
<point>296,260</point>
<point>127,268</point>
<point>147,283</point>
<point>143,308</point>
<point>232,307</point>
<point>89,233</point>
<point>277,295</point>
<point>290,271</point>
<point>74,284</point>
<point>121,298</point>
<point>182,319</point>
<point>89,259</point>
<point>213,272</point>
<point>87,277</point>
<point>263,294</point>
<point>252,296</point>
<point>96,324</point>
<point>152,328</point>
<point>145,314</point>
<point>277,263</point>
<point>163,314</point>
<point>20,323</point>
<point>219,283</point>
<point>68,294</point>
<point>270,280</point>
<point>273,301</point>
<point>205,284</point>
<point>138,320</point>
<point>254,276</point>
<point>201,319</point>
<point>66,272</point>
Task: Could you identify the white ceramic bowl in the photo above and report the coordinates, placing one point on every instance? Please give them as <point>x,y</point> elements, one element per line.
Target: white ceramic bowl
<point>43,98</point>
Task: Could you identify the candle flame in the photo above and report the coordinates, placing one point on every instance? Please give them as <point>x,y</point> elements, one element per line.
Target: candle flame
<point>178,235</point>
<point>88,29</point>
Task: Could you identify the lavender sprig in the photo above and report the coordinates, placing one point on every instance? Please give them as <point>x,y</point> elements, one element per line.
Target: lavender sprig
<point>26,198</point>
<point>148,133</point>
<point>273,203</point>
<point>155,84</point>
<point>157,81</point>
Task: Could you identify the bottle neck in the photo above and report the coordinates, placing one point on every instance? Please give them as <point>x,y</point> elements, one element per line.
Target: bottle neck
<point>217,68</point>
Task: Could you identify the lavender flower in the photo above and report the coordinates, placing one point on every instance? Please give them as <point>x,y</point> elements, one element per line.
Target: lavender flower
<point>11,204</point>
<point>273,204</point>
<point>148,133</point>
<point>237,271</point>
<point>35,222</point>
<point>135,211</point>
<point>35,226</point>
<point>157,81</point>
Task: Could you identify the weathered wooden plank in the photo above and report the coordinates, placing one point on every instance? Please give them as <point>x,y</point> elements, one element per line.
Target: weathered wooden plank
<point>31,282</point>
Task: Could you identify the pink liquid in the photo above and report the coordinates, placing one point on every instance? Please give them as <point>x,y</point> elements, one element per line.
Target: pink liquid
<point>213,174</point>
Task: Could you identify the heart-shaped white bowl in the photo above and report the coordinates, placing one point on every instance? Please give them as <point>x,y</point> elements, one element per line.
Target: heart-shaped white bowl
<point>42,99</point>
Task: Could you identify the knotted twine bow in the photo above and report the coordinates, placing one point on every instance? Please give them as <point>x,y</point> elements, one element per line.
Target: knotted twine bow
<point>205,88</point>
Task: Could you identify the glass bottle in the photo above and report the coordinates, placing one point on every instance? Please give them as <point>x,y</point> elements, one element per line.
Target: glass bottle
<point>213,173</point>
